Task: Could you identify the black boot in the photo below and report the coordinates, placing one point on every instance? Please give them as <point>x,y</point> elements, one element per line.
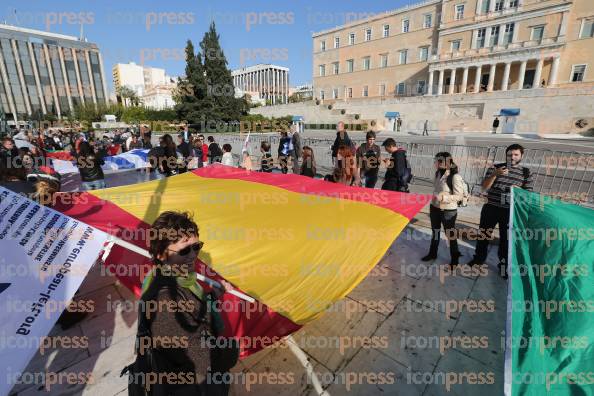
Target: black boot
<point>474,262</point>
<point>454,259</point>
<point>429,257</point>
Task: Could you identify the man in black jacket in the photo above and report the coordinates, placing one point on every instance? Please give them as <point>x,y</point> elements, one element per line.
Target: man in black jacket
<point>398,174</point>
<point>214,151</point>
<point>342,137</point>
<point>183,147</point>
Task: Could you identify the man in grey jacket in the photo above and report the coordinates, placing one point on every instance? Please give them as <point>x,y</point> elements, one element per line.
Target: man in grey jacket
<point>297,150</point>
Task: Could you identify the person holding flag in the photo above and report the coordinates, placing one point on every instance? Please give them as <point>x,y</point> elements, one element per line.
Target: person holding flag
<point>181,336</point>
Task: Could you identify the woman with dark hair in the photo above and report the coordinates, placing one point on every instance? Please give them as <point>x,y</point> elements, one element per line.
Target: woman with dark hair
<point>308,165</point>
<point>179,337</point>
<point>448,190</point>
<point>168,161</point>
<point>89,166</point>
<point>345,171</point>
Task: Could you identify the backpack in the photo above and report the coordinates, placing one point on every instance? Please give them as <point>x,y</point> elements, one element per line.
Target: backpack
<point>406,172</point>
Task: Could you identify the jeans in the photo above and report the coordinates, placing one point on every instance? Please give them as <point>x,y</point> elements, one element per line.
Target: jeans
<point>447,218</point>
<point>283,161</point>
<point>492,215</point>
<point>370,179</point>
<point>93,185</point>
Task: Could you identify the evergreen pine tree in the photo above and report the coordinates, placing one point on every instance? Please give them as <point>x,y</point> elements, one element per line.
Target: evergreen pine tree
<point>220,102</point>
<point>191,90</point>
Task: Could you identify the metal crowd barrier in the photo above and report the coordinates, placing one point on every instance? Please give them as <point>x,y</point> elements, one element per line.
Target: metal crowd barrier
<point>563,174</point>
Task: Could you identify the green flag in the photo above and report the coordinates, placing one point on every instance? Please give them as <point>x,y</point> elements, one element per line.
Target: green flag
<point>550,307</point>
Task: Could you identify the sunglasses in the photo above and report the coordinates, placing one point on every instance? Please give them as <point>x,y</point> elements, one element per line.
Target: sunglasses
<point>185,251</point>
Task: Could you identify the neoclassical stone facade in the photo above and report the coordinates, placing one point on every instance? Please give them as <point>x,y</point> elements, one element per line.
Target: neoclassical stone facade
<point>447,47</point>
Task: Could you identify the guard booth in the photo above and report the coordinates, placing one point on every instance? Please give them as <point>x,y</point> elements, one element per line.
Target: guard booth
<point>391,117</point>
<point>507,119</point>
<point>299,124</point>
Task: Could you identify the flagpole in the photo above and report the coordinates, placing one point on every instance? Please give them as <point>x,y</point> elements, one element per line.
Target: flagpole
<point>143,252</point>
<point>507,368</point>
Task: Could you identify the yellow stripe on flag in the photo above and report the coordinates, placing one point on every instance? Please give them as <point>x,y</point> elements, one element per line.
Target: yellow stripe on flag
<point>294,252</point>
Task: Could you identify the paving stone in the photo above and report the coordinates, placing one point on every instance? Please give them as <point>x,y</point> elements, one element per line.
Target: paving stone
<point>371,372</point>
<point>320,338</point>
<point>486,381</point>
<point>280,373</point>
<point>486,324</point>
<point>413,331</point>
<point>382,289</point>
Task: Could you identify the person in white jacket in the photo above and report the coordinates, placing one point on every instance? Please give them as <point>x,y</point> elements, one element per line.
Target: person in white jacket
<point>227,158</point>
<point>448,190</point>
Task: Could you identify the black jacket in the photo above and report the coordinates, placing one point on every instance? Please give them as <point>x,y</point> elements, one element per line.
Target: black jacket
<point>184,149</point>
<point>398,174</point>
<point>341,140</point>
<point>90,168</point>
<point>214,152</point>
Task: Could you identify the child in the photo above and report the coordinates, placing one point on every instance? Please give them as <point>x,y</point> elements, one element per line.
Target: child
<point>266,162</point>
<point>308,165</point>
<point>227,156</point>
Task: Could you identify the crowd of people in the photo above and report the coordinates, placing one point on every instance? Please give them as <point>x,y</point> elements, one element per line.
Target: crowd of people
<point>23,170</point>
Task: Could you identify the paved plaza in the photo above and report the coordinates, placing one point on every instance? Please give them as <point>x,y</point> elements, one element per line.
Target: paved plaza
<point>411,316</point>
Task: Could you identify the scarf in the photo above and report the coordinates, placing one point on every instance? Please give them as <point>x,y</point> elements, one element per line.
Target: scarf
<point>190,283</point>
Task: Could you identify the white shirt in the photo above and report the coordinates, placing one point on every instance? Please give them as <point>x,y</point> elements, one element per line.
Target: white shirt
<point>227,159</point>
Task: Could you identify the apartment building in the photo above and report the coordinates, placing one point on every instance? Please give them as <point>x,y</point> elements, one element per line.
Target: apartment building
<point>47,73</point>
<point>152,85</point>
<point>442,47</point>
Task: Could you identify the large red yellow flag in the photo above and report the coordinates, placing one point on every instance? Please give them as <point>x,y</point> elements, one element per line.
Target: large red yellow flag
<point>295,244</point>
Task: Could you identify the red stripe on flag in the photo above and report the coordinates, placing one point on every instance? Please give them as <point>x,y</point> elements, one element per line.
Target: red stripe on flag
<point>405,204</point>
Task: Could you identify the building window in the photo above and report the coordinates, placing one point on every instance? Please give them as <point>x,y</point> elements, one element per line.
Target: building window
<point>401,89</point>
<point>427,21</point>
<point>423,54</point>
<point>367,34</point>
<point>494,36</point>
<point>336,42</point>
<point>384,60</point>
<point>403,57</point>
<point>350,65</point>
<point>365,91</point>
<point>537,33</point>
<point>459,12</point>
<point>455,46</point>
<point>513,3</point>
<point>352,39</point>
<point>322,95</point>
<point>577,73</point>
<point>485,7</point>
<point>421,84</point>
<point>323,46</point>
<point>322,70</point>
<point>386,30</point>
<point>405,26</point>
<point>587,30</point>
<point>366,63</point>
<point>335,93</point>
<point>350,92</point>
<point>382,89</point>
<point>335,67</point>
<point>499,5</point>
<point>508,37</point>
<point>480,38</point>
